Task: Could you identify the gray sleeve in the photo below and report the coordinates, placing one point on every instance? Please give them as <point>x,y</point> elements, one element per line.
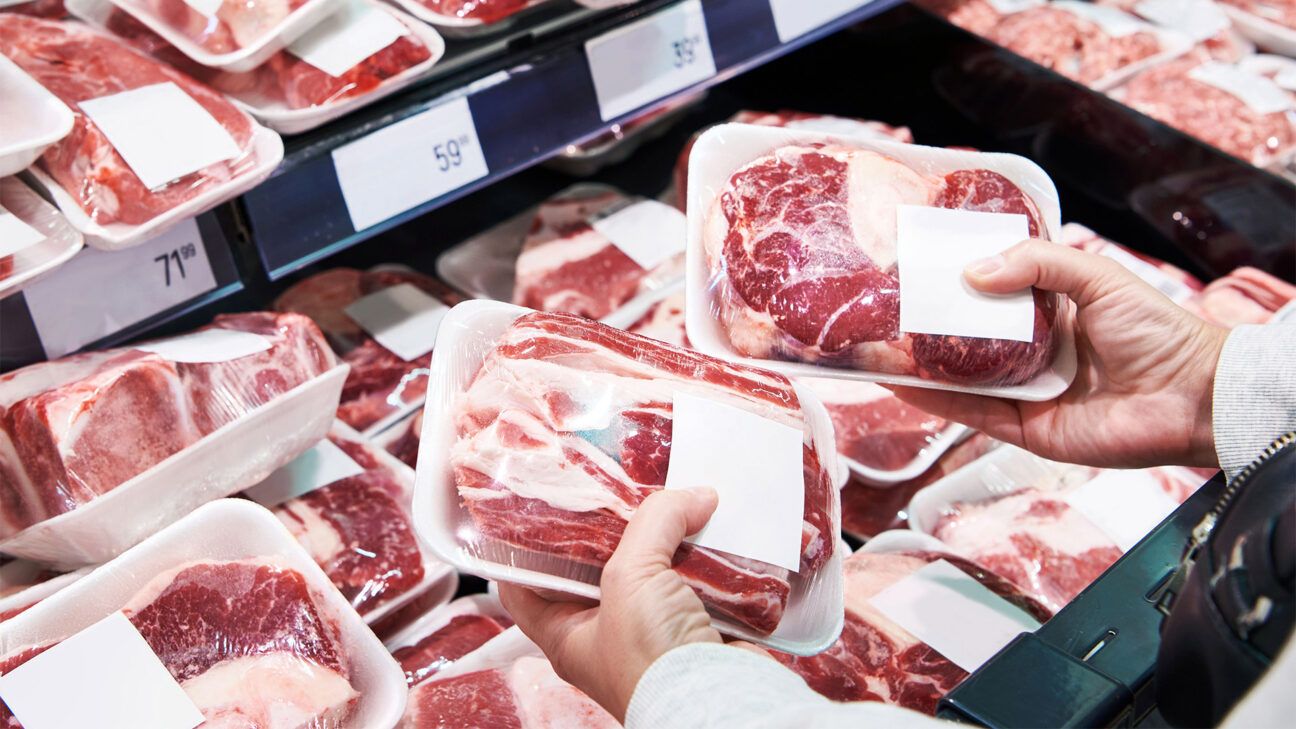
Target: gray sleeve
<point>1255,392</point>
<point>711,685</point>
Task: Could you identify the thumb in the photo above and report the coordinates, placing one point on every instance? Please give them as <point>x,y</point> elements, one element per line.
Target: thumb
<point>660,525</point>
<point>1084,277</point>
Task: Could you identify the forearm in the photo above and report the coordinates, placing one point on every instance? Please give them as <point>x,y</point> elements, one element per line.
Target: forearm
<point>1254,393</point>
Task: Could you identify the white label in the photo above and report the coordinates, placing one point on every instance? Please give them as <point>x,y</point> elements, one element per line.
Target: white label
<point>1113,22</point>
<point>1008,7</point>
<point>208,345</point>
<point>648,59</point>
<point>161,132</point>
<point>1259,93</point>
<point>205,8</point>
<point>409,163</point>
<point>106,677</point>
<point>402,318</point>
<point>795,18</point>
<point>316,468</point>
<point>1125,505</point>
<point>15,235</point>
<point>649,232</point>
<point>129,286</point>
<point>1197,19</point>
<point>957,616</point>
<point>756,468</point>
<point>353,33</point>
<point>933,246</point>
<point>1173,288</point>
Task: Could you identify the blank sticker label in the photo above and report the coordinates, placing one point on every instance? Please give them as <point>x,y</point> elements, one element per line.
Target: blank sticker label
<point>649,232</point>
<point>353,33</point>
<point>15,235</point>
<point>316,468</point>
<point>1125,505</point>
<point>1257,92</point>
<point>402,318</point>
<point>209,345</point>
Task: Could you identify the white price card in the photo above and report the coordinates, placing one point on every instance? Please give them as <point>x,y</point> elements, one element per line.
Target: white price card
<point>933,246</point>
<point>1262,95</point>
<point>316,468</point>
<point>649,232</point>
<point>15,235</point>
<point>1125,505</point>
<point>649,59</point>
<point>950,611</point>
<point>409,163</point>
<point>1198,19</point>
<point>402,318</point>
<point>161,132</point>
<point>757,470</point>
<point>205,8</point>
<point>208,345</point>
<point>795,18</point>
<point>128,287</point>
<point>119,683</point>
<point>353,33</point>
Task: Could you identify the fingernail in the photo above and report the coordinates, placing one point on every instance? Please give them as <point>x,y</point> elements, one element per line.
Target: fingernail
<point>986,266</point>
<point>706,492</point>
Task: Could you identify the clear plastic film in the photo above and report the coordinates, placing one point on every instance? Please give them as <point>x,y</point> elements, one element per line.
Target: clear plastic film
<point>664,321</point>
<point>446,634</point>
<point>173,433</point>
<point>57,243</point>
<point>794,265</point>
<point>876,659</point>
<point>546,431</point>
<point>285,650</point>
<point>1245,296</point>
<point>382,385</point>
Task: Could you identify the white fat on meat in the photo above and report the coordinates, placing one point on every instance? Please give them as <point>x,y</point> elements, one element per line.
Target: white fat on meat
<point>866,575</point>
<point>270,690</point>
<point>544,700</point>
<point>876,186</point>
<point>988,527</point>
<point>311,530</point>
<point>536,262</point>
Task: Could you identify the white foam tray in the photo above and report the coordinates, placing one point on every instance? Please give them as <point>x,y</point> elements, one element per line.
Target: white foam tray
<point>1173,44</point>
<point>903,540</point>
<point>1266,34</point>
<point>223,462</point>
<point>722,150</point>
<point>33,119</point>
<point>228,529</point>
<point>62,241</point>
<point>815,611</point>
<point>456,27</point>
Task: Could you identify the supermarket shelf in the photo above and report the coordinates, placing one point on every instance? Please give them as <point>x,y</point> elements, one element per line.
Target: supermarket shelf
<point>521,109</point>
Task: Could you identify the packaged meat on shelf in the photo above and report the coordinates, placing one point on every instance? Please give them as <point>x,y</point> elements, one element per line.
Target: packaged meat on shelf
<point>467,18</point>
<point>1271,24</point>
<point>976,16</point>
<point>382,322</point>
<point>52,9</point>
<point>348,503</point>
<point>150,146</point>
<point>803,278</point>
<point>34,238</point>
<point>1204,22</point>
<point>36,119</point>
<point>1245,296</point>
<point>101,449</point>
<point>1050,528</point>
<point>446,634</point>
<point>590,250</point>
<point>664,320</point>
<point>364,51</point>
<point>239,615</point>
<point>24,583</point>
<point>546,431</point>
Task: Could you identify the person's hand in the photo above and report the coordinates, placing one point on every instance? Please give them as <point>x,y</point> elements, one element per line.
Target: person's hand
<point>646,608</point>
<point>1146,368</point>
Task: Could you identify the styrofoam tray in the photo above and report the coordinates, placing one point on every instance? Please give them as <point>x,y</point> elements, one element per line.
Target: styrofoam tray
<point>228,529</point>
<point>35,593</point>
<point>223,462</point>
<point>815,611</point>
<point>61,242</point>
<point>33,119</point>
<point>903,540</point>
<point>434,620</point>
<point>456,27</point>
<point>1173,43</point>
<point>241,59</point>
<point>1264,33</point>
<point>725,148</point>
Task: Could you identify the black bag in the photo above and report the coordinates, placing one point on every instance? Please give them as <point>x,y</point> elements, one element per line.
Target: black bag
<point>1231,605</point>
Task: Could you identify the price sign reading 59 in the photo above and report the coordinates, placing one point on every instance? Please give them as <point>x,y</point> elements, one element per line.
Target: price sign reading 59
<point>449,154</point>
<point>649,59</point>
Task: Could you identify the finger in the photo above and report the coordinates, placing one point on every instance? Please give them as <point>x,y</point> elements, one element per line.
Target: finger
<point>1084,277</point>
<point>997,418</point>
<point>660,524</point>
<point>546,622</point>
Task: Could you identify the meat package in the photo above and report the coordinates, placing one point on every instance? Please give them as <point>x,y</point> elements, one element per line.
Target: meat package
<point>1270,23</point>
<point>976,16</point>
<point>358,527</point>
<point>1245,296</point>
<point>35,119</point>
<point>446,634</point>
<point>664,321</point>
<point>792,260</point>
<point>552,429</point>
<point>382,385</point>
<point>241,619</point>
<point>1177,284</point>
<point>1204,22</point>
<point>1031,520</point>
<point>87,176</point>
<point>467,18</point>
<point>34,238</point>
<point>875,659</point>
<point>99,449</point>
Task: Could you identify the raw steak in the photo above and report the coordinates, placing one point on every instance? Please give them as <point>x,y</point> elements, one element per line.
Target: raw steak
<point>664,322</point>
<point>248,642</point>
<point>358,530</point>
<point>566,428</point>
<point>456,639</point>
<point>877,660</point>
<point>1282,12</point>
<point>1076,47</point>
<point>76,64</point>
<point>525,695</point>
<point>52,9</point>
<point>1174,282</point>
<point>380,383</point>
<point>236,23</point>
<point>802,254</point>
<point>480,11</point>
<point>568,266</point>
<point>874,427</point>
<point>78,427</point>
<point>1245,296</point>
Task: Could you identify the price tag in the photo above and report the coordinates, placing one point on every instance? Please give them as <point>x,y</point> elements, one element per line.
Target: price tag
<point>649,232</point>
<point>16,235</point>
<point>644,61</point>
<point>350,35</point>
<point>127,287</point>
<point>795,18</point>
<point>409,163</point>
<point>1125,505</point>
<point>402,318</point>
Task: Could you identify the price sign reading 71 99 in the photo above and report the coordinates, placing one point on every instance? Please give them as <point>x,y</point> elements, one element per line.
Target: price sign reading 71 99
<point>649,59</point>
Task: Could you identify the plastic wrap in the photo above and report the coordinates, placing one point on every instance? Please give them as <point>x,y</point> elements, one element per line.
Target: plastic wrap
<point>89,180</point>
<point>24,584</point>
<point>34,119</point>
<point>1177,284</point>
<point>877,660</point>
<point>528,398</point>
<point>976,16</point>
<point>446,634</point>
<point>58,241</point>
<point>1245,296</point>
<point>1016,514</point>
<point>1271,24</point>
<point>664,321</point>
<point>286,650</point>
<point>382,387</point>
<point>1204,22</point>
<point>92,437</point>
<point>792,259</point>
